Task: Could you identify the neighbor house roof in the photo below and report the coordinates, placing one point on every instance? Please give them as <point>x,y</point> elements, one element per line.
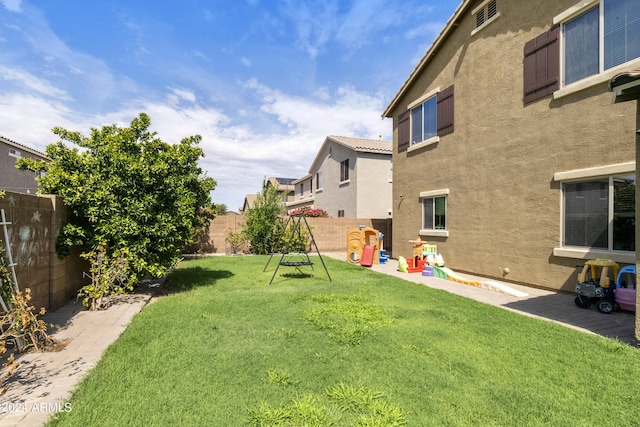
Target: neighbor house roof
<point>23,147</point>
<point>625,86</point>
<point>448,28</point>
<point>360,145</point>
<point>249,200</point>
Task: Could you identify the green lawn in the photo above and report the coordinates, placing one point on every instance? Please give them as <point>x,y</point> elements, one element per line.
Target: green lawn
<point>225,348</point>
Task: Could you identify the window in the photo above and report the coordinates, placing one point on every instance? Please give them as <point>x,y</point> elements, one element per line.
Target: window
<point>601,38</point>
<point>429,117</point>
<point>319,181</point>
<point>301,190</point>
<point>434,213</point>
<point>485,13</point>
<point>14,153</point>
<point>341,213</point>
<point>423,121</point>
<point>344,170</point>
<point>434,210</point>
<point>600,213</point>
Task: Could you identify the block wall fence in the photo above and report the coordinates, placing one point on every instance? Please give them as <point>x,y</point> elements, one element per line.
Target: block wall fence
<point>330,234</point>
<point>35,223</point>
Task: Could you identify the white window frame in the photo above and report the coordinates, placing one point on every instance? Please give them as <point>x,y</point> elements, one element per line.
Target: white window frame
<point>603,75</point>
<point>580,175</point>
<point>433,140</point>
<point>15,153</point>
<point>484,6</point>
<point>433,194</point>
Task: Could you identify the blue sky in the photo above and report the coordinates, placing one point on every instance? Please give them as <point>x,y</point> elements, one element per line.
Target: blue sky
<point>263,82</point>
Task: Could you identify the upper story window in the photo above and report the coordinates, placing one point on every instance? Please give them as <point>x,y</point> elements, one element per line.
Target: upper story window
<point>423,121</point>
<point>14,153</point>
<point>344,170</point>
<point>318,181</point>
<point>426,119</point>
<point>600,38</point>
<point>485,13</point>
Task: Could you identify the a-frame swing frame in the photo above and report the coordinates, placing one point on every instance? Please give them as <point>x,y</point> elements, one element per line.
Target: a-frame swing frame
<point>295,220</point>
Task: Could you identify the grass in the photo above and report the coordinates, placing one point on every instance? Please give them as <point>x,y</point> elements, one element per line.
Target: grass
<point>227,349</point>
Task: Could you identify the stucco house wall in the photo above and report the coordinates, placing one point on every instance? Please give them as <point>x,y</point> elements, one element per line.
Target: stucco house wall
<point>12,179</point>
<point>375,189</point>
<point>501,167</point>
<point>366,192</point>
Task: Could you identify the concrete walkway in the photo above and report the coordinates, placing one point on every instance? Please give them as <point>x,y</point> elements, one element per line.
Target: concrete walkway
<point>44,382</point>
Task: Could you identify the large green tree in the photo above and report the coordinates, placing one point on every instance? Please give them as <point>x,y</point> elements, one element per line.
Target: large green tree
<point>133,198</point>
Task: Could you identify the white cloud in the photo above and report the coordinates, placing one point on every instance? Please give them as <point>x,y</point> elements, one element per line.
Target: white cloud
<point>12,5</point>
<point>32,83</point>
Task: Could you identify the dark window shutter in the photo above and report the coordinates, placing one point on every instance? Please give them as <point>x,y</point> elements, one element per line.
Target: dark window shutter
<point>542,65</point>
<point>445,111</point>
<point>404,131</point>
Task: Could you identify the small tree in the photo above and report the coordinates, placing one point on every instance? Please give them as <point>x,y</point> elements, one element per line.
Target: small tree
<point>264,221</point>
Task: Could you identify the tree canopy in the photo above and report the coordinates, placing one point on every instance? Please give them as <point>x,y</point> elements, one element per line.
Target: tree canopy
<point>128,192</point>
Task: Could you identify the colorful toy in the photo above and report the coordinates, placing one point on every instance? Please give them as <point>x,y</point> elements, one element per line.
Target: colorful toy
<point>357,239</point>
<point>626,288</point>
<point>403,266</point>
<point>595,285</point>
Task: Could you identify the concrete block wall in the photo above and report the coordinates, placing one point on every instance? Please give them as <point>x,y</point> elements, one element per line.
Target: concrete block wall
<point>330,234</point>
<point>35,223</point>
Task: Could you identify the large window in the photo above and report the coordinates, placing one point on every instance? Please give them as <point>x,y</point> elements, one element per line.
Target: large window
<point>434,213</point>
<point>601,38</point>
<point>344,170</point>
<point>423,121</point>
<point>600,213</point>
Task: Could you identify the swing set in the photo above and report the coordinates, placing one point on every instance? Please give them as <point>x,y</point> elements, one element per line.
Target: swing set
<point>295,259</point>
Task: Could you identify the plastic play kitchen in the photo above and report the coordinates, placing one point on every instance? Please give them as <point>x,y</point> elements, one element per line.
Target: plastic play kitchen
<point>596,286</point>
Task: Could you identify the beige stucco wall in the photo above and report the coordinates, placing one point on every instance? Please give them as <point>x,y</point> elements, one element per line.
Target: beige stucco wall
<point>374,186</point>
<point>503,207</point>
<point>12,179</point>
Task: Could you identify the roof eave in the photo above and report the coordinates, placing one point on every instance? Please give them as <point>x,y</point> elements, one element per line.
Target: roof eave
<point>451,24</point>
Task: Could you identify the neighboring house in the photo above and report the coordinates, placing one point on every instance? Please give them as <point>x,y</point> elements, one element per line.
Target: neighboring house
<point>249,200</point>
<point>284,185</point>
<point>12,179</point>
<point>285,188</point>
<point>350,177</point>
<point>508,151</point>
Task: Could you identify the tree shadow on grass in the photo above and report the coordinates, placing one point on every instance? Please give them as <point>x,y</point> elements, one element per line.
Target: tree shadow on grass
<point>186,279</point>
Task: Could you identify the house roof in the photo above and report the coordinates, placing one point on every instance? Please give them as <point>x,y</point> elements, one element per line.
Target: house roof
<point>625,86</point>
<point>23,147</point>
<point>360,145</point>
<point>285,181</point>
<point>448,28</point>
<point>249,200</point>
<point>282,183</point>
